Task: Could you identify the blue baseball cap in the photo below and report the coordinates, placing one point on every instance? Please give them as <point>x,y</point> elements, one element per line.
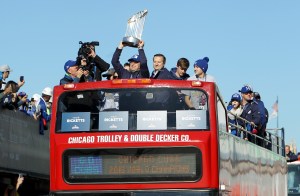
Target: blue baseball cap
<point>69,64</point>
<point>134,58</point>
<point>246,89</point>
<point>22,94</point>
<point>236,97</point>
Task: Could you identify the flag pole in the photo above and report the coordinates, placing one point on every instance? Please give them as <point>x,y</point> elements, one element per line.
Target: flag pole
<point>277,113</point>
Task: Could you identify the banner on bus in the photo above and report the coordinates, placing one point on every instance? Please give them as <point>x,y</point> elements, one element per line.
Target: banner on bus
<point>75,121</point>
<point>113,120</point>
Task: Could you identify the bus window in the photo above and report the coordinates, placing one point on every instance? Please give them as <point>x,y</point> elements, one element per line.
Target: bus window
<point>130,109</point>
<point>294,177</point>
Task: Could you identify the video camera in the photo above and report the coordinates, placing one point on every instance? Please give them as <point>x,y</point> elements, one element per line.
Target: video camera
<point>86,49</point>
<point>84,52</point>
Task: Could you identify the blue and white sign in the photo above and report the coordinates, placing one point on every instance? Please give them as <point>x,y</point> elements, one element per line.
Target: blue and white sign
<point>75,121</point>
<point>151,120</point>
<point>191,119</point>
<point>113,120</point>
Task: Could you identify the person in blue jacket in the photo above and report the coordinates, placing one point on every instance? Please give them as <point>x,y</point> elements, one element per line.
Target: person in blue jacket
<point>179,72</point>
<point>251,113</point>
<point>41,110</point>
<point>74,74</point>
<point>138,67</point>
<point>263,112</point>
<point>289,155</point>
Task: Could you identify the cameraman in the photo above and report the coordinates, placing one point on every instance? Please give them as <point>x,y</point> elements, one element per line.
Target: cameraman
<point>93,60</point>
<point>74,74</point>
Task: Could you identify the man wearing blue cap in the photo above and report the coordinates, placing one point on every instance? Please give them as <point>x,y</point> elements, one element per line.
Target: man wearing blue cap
<point>74,74</point>
<point>251,112</point>
<point>138,67</point>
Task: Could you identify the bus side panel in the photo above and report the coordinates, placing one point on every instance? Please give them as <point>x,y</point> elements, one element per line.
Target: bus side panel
<point>22,148</point>
<point>247,169</point>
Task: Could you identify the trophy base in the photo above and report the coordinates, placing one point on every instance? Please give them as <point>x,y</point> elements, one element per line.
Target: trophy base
<point>131,41</point>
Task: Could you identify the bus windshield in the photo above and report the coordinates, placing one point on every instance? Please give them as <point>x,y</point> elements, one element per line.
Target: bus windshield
<point>132,109</point>
<point>294,178</point>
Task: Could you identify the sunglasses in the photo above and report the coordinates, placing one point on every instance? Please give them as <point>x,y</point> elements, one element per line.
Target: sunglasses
<point>115,77</point>
<point>247,93</point>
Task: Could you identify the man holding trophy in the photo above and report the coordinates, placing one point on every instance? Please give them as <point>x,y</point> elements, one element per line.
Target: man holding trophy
<point>138,67</point>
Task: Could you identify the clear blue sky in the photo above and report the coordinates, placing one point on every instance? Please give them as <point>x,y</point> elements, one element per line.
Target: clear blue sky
<point>248,42</point>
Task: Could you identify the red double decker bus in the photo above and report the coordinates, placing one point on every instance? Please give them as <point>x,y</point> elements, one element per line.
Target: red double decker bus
<point>136,137</point>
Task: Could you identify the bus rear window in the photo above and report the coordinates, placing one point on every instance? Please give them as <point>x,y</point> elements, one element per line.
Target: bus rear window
<point>132,109</point>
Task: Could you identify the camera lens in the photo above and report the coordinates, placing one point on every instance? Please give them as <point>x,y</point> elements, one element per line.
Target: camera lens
<point>87,51</point>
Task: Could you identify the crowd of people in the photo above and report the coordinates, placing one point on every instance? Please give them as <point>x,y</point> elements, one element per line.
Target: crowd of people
<point>248,105</point>
<point>136,67</point>
<point>245,104</point>
<point>38,106</point>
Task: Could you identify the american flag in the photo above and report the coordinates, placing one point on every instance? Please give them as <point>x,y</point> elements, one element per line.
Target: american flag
<point>275,109</point>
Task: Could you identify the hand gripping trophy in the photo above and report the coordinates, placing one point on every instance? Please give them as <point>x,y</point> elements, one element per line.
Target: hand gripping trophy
<point>135,26</point>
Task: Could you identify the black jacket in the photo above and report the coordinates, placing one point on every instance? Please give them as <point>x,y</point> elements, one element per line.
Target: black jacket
<point>162,74</point>
<point>101,66</point>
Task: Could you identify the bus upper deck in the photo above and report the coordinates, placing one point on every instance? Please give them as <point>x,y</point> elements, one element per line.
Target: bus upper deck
<point>136,137</point>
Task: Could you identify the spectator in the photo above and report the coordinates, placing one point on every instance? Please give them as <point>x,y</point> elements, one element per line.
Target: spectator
<point>289,155</point>
<point>49,106</point>
<point>126,66</point>
<point>8,96</point>
<point>110,74</point>
<point>74,74</point>
<point>179,72</point>
<point>160,72</point>
<point>41,109</point>
<point>234,109</point>
<point>197,99</point>
<point>1,80</point>
<point>138,67</point>
<point>5,70</point>
<point>12,190</point>
<point>22,102</point>
<point>251,113</point>
<point>298,156</point>
<point>33,105</point>
<point>263,112</point>
<point>96,64</point>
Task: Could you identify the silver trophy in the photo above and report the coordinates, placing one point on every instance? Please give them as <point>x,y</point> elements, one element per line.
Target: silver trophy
<point>135,26</point>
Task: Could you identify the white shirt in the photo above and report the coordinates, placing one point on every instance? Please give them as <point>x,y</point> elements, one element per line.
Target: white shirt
<point>207,78</point>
